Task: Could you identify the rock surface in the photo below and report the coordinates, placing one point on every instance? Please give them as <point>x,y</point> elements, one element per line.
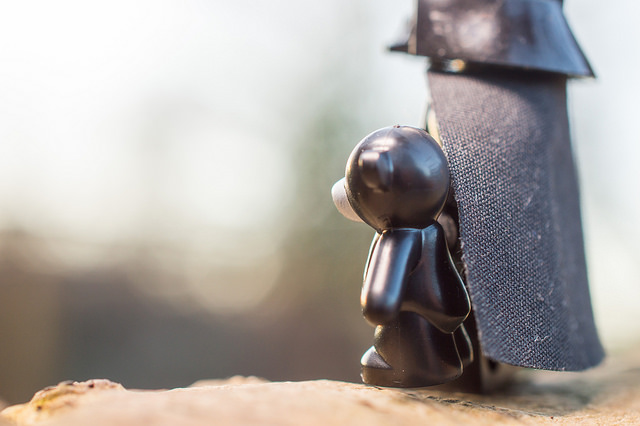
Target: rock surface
<point>607,395</point>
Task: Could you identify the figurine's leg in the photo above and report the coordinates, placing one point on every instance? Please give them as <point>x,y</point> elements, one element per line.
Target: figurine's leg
<point>410,352</point>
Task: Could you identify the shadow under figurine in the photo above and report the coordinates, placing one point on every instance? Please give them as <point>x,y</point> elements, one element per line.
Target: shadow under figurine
<point>397,181</point>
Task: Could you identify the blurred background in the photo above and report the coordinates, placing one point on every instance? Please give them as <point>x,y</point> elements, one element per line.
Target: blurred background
<point>165,169</point>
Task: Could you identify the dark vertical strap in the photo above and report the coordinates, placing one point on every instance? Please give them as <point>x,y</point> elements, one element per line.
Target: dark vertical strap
<point>506,137</point>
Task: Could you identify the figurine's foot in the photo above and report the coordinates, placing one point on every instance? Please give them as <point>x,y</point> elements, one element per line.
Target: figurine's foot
<point>372,359</point>
<point>376,371</point>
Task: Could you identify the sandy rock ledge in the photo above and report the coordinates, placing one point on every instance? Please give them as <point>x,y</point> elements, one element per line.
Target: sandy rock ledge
<point>607,395</point>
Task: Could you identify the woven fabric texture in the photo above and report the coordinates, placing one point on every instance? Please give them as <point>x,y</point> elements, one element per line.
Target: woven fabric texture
<point>506,137</point>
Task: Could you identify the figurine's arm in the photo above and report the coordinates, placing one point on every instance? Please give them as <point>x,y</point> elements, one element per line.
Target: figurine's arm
<point>391,261</point>
<point>442,299</point>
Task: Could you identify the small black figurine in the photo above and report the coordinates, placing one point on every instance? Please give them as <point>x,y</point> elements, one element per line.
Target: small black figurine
<point>497,77</point>
<point>397,181</point>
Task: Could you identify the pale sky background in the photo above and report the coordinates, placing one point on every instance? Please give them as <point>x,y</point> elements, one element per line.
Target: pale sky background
<point>163,122</point>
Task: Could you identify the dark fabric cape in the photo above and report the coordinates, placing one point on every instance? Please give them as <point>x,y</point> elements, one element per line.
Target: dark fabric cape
<point>506,137</point>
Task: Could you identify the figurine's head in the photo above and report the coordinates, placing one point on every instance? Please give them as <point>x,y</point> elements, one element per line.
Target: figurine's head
<point>397,177</point>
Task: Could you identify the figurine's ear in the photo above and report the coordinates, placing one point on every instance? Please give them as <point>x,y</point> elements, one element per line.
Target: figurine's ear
<point>376,169</point>
<point>339,195</point>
